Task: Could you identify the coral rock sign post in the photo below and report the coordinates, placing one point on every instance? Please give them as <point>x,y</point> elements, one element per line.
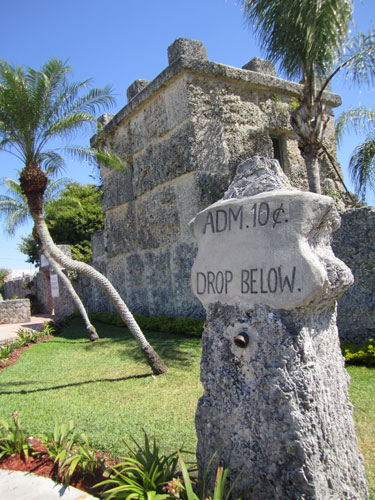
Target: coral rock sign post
<point>275,405</point>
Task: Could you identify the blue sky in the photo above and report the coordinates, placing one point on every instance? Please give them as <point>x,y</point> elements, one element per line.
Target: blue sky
<point>119,41</point>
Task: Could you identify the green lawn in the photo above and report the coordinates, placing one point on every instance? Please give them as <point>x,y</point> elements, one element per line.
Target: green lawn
<point>108,390</point>
<point>106,387</point>
<point>362,394</point>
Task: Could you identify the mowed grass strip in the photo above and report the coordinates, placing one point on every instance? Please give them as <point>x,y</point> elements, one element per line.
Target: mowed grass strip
<point>362,395</point>
<point>106,387</point>
<point>109,391</point>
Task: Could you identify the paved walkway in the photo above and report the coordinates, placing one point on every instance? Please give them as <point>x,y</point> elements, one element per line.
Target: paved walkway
<point>9,331</point>
<point>24,486</point>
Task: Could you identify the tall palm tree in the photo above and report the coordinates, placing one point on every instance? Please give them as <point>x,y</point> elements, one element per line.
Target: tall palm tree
<point>36,107</point>
<point>310,40</point>
<point>16,211</point>
<point>362,161</point>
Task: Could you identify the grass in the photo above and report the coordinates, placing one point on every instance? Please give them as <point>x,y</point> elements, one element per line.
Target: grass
<point>108,390</point>
<point>98,385</point>
<point>362,395</point>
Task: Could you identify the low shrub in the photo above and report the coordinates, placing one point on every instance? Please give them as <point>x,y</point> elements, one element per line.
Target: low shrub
<point>165,324</point>
<point>5,351</point>
<point>142,475</point>
<point>13,440</point>
<point>71,453</point>
<point>26,336</point>
<point>359,354</point>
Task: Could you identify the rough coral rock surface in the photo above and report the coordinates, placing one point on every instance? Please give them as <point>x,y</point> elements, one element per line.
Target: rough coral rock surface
<point>277,410</point>
<point>354,243</point>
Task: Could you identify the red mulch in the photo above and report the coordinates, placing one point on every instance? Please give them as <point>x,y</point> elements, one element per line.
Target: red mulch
<point>41,464</point>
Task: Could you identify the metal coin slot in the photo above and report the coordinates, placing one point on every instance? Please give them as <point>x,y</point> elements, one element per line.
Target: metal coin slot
<point>241,340</point>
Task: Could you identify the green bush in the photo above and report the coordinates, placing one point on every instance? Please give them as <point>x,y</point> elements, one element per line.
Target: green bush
<point>142,475</point>
<point>165,324</point>
<point>359,354</point>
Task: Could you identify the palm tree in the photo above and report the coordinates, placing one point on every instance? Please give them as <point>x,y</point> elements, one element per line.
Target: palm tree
<point>14,205</point>
<point>16,211</point>
<point>309,39</point>
<point>36,107</point>
<point>362,162</point>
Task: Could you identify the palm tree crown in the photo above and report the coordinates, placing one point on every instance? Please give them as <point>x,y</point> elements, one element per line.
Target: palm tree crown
<point>304,36</point>
<point>309,40</point>
<point>38,106</point>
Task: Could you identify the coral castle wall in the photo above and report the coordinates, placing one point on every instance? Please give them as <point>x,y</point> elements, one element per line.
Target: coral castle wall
<point>183,134</point>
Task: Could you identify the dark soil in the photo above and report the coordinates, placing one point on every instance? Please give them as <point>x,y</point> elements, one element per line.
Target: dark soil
<point>41,464</point>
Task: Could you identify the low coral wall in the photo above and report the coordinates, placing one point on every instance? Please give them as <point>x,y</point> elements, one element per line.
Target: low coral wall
<point>14,311</point>
<point>354,243</point>
<point>18,288</point>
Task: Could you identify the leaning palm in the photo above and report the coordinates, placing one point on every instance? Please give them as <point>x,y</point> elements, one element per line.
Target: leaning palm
<point>35,108</point>
<point>16,211</point>
<point>309,39</point>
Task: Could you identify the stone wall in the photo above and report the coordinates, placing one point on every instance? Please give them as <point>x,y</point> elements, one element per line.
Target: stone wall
<point>17,288</point>
<point>354,243</point>
<point>183,134</point>
<point>14,311</point>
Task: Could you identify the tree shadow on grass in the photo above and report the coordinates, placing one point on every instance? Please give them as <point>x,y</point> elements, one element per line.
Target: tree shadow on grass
<point>176,350</point>
<point>73,384</point>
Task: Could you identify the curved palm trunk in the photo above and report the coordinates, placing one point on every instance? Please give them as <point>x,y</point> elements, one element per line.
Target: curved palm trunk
<point>157,365</point>
<point>33,183</point>
<point>93,334</point>
<point>77,301</point>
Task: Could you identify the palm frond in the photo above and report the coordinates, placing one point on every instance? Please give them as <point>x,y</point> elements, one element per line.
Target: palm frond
<point>70,124</point>
<point>54,188</point>
<point>14,208</point>
<point>68,93</point>
<point>4,142</point>
<point>303,36</point>
<point>92,102</point>
<point>11,184</point>
<point>97,157</point>
<point>356,120</point>
<point>357,59</point>
<point>362,166</point>
<point>8,204</point>
<point>15,213</point>
<point>56,71</point>
<point>52,163</point>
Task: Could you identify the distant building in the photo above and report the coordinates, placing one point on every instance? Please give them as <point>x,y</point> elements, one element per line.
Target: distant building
<point>15,274</point>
